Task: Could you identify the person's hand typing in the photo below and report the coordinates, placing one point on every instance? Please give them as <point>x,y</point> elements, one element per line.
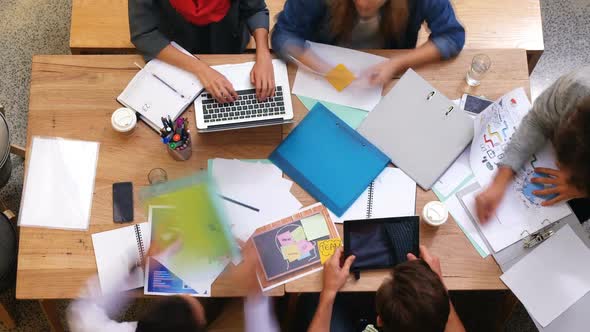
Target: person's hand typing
<point>217,84</point>
<point>262,77</point>
<point>335,276</point>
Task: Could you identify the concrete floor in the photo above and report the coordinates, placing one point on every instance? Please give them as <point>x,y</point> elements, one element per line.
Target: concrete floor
<point>29,27</point>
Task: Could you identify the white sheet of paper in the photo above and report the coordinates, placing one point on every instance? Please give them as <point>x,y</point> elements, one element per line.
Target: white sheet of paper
<point>256,184</point>
<point>59,184</point>
<point>358,95</point>
<point>553,277</point>
<point>394,195</point>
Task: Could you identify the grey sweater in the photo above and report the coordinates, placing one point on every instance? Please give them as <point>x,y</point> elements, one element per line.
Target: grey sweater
<point>550,108</point>
<point>153,24</point>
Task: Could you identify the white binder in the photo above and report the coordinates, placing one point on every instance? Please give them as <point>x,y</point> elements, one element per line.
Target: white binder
<point>418,128</point>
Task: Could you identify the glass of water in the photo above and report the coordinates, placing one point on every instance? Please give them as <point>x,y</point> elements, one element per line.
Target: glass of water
<point>480,64</point>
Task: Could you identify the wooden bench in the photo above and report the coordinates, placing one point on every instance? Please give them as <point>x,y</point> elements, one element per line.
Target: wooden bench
<point>102,26</point>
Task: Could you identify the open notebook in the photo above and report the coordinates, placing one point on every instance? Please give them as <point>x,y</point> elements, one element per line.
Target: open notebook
<point>391,194</point>
<point>153,99</point>
<point>117,251</point>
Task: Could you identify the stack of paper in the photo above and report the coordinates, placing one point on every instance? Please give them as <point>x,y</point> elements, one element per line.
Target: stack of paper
<point>254,194</point>
<point>59,184</point>
<point>553,277</point>
<point>391,194</point>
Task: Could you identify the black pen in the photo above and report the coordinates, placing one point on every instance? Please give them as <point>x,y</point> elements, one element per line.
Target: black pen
<point>239,203</point>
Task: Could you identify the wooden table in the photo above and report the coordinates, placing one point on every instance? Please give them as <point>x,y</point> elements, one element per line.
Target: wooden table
<point>102,26</point>
<point>74,96</point>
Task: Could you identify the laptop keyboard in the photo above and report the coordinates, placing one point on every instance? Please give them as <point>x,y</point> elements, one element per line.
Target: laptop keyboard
<point>246,106</point>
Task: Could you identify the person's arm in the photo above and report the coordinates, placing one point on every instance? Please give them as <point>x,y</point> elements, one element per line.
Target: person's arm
<point>144,21</point>
<point>454,323</point>
<point>296,24</point>
<point>446,40</point>
<point>532,134</point>
<point>93,307</point>
<point>335,277</point>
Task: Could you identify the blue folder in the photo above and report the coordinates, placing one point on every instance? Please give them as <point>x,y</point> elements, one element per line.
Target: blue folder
<point>329,159</point>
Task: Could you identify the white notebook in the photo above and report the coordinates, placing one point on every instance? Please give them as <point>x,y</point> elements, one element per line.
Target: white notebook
<point>152,99</point>
<point>391,194</point>
<point>59,183</point>
<point>116,252</point>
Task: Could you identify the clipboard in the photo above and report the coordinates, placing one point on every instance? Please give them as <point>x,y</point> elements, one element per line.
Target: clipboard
<point>418,128</point>
<point>575,318</point>
<point>329,159</point>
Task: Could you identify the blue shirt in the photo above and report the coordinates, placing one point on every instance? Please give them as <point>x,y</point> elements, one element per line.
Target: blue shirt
<point>303,20</point>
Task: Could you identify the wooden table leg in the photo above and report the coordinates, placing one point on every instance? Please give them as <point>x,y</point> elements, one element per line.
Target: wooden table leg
<point>532,59</point>
<point>50,311</point>
<point>5,318</point>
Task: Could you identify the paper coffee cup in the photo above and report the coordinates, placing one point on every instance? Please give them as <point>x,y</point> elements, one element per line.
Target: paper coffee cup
<point>435,213</point>
<point>124,120</point>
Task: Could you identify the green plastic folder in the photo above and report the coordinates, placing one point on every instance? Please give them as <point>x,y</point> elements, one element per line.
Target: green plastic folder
<point>352,116</point>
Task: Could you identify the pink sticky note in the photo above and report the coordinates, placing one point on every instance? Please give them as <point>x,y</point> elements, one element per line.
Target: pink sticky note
<point>305,246</point>
<point>285,238</point>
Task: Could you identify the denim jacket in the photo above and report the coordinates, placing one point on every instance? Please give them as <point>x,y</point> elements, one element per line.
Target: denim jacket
<point>303,20</point>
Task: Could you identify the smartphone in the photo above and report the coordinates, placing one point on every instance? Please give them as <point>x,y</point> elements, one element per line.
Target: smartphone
<point>122,202</point>
<point>474,104</point>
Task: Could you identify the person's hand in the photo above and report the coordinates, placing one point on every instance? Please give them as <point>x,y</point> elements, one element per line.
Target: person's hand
<point>384,72</point>
<point>262,77</point>
<point>432,261</point>
<point>488,201</point>
<point>560,186</point>
<point>335,276</point>
<point>217,85</point>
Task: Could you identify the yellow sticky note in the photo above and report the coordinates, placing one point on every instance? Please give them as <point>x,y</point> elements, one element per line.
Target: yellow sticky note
<point>297,234</point>
<point>291,252</point>
<point>340,77</point>
<point>327,248</point>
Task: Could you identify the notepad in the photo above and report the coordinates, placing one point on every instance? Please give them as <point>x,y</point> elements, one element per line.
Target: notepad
<point>116,252</point>
<point>59,184</point>
<point>391,194</point>
<point>329,159</point>
<point>153,99</point>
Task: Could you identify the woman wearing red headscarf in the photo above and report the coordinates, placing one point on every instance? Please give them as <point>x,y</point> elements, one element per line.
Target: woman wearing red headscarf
<point>204,26</point>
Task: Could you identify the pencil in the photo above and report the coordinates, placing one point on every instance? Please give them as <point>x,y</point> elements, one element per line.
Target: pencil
<point>239,203</point>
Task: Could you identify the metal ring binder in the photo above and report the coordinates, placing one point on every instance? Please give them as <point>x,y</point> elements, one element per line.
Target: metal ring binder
<point>531,240</point>
<point>140,246</point>
<point>371,194</point>
<point>430,95</point>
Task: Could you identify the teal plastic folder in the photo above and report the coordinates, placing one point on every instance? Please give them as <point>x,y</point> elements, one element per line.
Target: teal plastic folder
<point>329,159</point>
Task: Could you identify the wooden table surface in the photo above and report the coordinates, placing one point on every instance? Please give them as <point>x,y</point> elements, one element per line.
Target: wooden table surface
<point>103,25</point>
<point>74,96</point>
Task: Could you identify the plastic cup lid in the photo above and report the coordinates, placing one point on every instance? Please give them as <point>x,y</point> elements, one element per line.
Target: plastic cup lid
<point>435,213</point>
<point>123,119</point>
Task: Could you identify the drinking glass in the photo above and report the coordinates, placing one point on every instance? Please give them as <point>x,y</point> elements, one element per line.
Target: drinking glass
<point>480,64</point>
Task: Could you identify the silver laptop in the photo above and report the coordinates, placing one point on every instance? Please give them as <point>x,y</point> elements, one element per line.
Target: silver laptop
<point>246,111</point>
<point>420,129</point>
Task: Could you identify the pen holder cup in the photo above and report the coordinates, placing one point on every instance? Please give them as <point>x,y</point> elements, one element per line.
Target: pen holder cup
<point>181,154</point>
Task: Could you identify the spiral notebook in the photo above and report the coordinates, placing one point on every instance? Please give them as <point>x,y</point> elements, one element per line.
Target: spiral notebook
<point>117,251</point>
<point>391,194</point>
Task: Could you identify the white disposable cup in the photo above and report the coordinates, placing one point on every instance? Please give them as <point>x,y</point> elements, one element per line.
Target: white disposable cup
<point>435,213</point>
<point>124,120</point>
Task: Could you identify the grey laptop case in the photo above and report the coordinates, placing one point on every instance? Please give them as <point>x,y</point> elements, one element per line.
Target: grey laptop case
<point>418,128</point>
